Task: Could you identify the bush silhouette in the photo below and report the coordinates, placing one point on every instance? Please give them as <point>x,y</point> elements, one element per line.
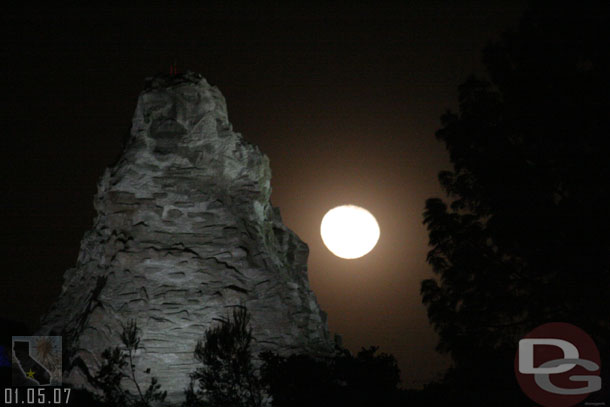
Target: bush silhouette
<point>343,379</point>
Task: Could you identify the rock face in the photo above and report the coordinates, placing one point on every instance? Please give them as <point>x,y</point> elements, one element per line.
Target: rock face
<point>184,232</point>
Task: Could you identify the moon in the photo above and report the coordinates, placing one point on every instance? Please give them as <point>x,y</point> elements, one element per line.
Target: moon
<point>349,231</point>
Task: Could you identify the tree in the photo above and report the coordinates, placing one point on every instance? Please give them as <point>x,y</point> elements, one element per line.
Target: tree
<point>118,364</point>
<point>524,237</point>
<point>228,376</point>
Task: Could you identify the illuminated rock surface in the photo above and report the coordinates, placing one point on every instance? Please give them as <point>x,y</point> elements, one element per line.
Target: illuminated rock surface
<point>184,232</point>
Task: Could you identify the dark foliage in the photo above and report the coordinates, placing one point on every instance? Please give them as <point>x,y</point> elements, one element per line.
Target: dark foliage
<point>228,376</point>
<point>298,380</point>
<point>302,380</point>
<point>524,238</point>
<point>118,365</point>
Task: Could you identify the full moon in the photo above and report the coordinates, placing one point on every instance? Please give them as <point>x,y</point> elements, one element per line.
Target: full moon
<point>349,231</point>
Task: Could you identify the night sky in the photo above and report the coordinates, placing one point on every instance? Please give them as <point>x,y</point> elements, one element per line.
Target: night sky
<point>344,100</point>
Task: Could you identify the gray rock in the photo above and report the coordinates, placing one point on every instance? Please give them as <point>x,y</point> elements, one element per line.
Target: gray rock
<point>184,232</point>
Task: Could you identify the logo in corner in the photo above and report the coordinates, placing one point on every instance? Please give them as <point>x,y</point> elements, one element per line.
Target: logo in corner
<point>36,360</point>
<point>558,364</point>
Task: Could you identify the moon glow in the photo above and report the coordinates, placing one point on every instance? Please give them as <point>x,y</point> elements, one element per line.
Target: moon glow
<point>349,231</point>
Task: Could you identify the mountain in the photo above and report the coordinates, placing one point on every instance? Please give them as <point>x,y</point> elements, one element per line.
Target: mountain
<point>184,232</point>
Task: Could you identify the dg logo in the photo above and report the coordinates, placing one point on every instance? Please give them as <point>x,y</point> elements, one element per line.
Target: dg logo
<point>558,365</point>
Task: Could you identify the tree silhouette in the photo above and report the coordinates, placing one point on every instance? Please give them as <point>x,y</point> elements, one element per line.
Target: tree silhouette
<point>118,364</point>
<point>227,376</point>
<point>524,237</point>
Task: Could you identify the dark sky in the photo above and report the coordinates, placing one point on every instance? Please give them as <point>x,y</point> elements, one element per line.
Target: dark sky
<point>344,100</point>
